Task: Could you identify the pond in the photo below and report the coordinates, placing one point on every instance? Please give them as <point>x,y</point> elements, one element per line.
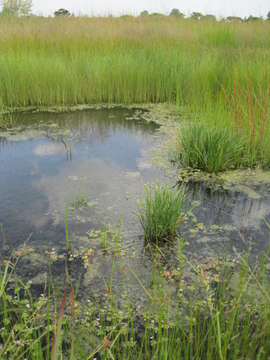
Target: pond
<point>95,164</point>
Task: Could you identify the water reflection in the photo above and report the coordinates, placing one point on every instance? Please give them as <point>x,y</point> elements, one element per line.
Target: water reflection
<point>232,219</point>
<point>36,181</point>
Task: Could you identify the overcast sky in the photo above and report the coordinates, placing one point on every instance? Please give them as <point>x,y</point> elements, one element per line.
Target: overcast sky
<point>105,7</point>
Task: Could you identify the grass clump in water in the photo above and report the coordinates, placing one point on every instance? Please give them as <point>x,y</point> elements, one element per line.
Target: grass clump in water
<point>80,201</point>
<point>161,211</point>
<point>209,148</point>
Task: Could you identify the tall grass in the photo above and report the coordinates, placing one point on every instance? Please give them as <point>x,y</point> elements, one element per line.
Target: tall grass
<point>211,149</point>
<point>160,212</point>
<point>80,60</point>
<point>208,67</point>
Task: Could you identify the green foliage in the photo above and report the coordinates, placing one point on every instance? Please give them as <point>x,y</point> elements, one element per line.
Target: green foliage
<point>20,318</point>
<point>268,16</point>
<point>222,311</point>
<point>16,7</point>
<point>209,148</point>
<point>177,13</point>
<point>254,18</point>
<point>196,15</point>
<point>194,64</point>
<point>144,13</point>
<point>157,14</point>
<point>160,213</point>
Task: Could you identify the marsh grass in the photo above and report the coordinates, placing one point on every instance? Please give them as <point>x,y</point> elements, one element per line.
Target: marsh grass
<point>217,71</point>
<point>250,113</point>
<point>160,212</point>
<point>209,148</point>
<point>222,312</point>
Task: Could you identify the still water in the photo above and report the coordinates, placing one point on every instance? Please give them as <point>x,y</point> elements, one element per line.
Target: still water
<point>95,164</point>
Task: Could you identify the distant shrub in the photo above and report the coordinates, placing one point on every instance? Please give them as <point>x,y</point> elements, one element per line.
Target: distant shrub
<point>160,213</point>
<point>254,18</point>
<point>144,13</point>
<point>208,148</point>
<point>157,14</point>
<point>196,16</point>
<point>234,19</point>
<point>177,13</point>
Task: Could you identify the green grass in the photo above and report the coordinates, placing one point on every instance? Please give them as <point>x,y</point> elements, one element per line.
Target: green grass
<point>221,312</point>
<point>210,148</point>
<point>219,72</point>
<point>160,212</point>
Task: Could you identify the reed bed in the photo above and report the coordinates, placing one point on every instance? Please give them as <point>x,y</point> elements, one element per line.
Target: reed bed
<point>219,71</point>
<point>135,60</point>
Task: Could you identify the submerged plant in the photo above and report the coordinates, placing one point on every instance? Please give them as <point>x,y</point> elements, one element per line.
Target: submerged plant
<point>209,148</point>
<point>7,121</point>
<point>79,201</point>
<point>161,211</point>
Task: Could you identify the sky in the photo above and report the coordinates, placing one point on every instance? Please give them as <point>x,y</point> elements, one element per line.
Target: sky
<point>119,7</point>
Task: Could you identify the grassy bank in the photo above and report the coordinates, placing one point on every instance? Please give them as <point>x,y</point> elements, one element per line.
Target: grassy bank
<point>134,60</point>
<point>218,71</point>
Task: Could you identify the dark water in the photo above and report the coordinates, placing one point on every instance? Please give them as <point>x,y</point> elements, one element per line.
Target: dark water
<point>234,221</point>
<point>104,157</point>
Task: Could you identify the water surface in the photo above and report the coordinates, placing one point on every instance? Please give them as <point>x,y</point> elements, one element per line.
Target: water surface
<point>105,157</point>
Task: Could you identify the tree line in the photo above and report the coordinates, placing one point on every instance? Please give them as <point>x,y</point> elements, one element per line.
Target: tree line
<point>199,16</point>
<point>24,8</point>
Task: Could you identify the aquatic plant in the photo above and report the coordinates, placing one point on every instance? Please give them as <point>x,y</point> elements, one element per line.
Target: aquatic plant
<point>160,212</point>
<point>7,121</point>
<point>222,313</point>
<point>209,148</point>
<point>79,201</point>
